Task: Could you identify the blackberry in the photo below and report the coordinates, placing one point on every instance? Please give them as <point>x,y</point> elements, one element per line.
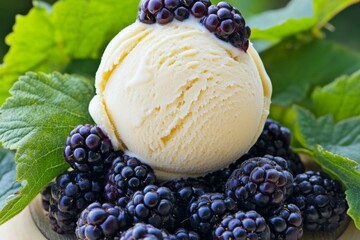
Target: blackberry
<point>208,210</point>
<point>70,194</point>
<point>164,11</point>
<point>242,225</point>
<point>126,176</point>
<point>186,191</point>
<point>45,197</point>
<point>102,221</point>
<point>88,149</point>
<point>285,222</point>
<point>144,231</point>
<point>227,23</point>
<point>183,234</point>
<point>216,180</point>
<point>275,140</point>
<point>321,200</point>
<point>258,183</point>
<point>154,205</point>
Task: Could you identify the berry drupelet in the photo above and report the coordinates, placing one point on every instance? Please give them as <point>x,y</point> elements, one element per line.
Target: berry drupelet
<point>258,183</point>
<point>126,176</point>
<point>321,200</point>
<point>102,221</point>
<point>285,222</point>
<point>70,194</point>
<point>242,225</point>
<point>88,150</point>
<point>208,210</point>
<point>275,140</point>
<point>154,205</point>
<point>45,197</point>
<point>227,23</point>
<point>183,234</point>
<point>144,231</point>
<point>186,191</point>
<point>165,11</point>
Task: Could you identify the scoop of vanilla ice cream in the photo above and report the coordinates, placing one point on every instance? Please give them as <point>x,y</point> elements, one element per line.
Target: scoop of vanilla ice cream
<point>180,99</point>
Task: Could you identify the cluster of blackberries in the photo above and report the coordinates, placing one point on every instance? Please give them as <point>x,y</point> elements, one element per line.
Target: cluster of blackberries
<point>113,195</point>
<point>225,21</point>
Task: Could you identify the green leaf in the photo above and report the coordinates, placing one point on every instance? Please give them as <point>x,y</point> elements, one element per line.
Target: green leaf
<point>295,68</point>
<point>35,121</point>
<point>84,26</point>
<point>340,98</point>
<point>342,138</point>
<point>297,16</point>
<point>49,40</point>
<point>348,172</point>
<point>8,185</point>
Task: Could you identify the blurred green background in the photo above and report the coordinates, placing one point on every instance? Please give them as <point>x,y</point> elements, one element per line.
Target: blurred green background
<point>343,23</point>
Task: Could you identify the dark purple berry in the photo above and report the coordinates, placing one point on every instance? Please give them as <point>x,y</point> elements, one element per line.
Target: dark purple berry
<point>171,4</point>
<point>321,201</point>
<point>154,6</point>
<point>242,225</point>
<point>199,9</point>
<point>126,176</point>
<point>164,16</point>
<point>182,13</point>
<point>102,221</point>
<point>142,231</point>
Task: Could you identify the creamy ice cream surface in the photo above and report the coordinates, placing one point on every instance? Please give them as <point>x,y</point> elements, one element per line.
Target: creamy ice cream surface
<point>180,99</point>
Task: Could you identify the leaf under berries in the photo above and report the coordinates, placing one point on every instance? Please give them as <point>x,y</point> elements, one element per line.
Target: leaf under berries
<point>341,98</point>
<point>342,138</point>
<point>346,170</point>
<point>35,122</point>
<point>8,186</point>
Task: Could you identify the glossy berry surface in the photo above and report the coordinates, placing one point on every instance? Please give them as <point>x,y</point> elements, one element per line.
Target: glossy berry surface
<point>208,210</point>
<point>126,176</point>
<point>186,191</point>
<point>227,23</point>
<point>275,140</point>
<point>242,225</point>
<point>183,234</point>
<point>102,221</point>
<point>70,194</point>
<point>88,150</point>
<point>258,183</point>
<point>154,205</point>
<point>142,231</point>
<point>285,222</point>
<point>321,200</point>
<point>165,11</point>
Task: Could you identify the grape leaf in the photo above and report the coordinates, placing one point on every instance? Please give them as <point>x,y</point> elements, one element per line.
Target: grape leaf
<point>341,98</point>
<point>297,16</point>
<point>295,68</point>
<point>342,138</point>
<point>50,39</point>
<point>35,122</point>
<point>8,185</point>
<point>348,172</point>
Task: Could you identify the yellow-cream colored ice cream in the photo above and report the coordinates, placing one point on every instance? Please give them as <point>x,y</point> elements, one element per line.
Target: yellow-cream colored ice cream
<point>181,100</point>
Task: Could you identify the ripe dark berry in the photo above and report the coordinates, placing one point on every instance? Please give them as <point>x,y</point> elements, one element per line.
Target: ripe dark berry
<point>126,176</point>
<point>45,197</point>
<point>208,210</point>
<point>216,181</point>
<point>285,222</point>
<point>70,194</point>
<point>154,205</point>
<point>321,200</point>
<point>228,25</point>
<point>142,231</point>
<point>186,191</point>
<point>183,234</point>
<point>275,140</point>
<point>164,11</point>
<point>102,221</point>
<point>242,225</point>
<point>88,150</point>
<point>258,183</point>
